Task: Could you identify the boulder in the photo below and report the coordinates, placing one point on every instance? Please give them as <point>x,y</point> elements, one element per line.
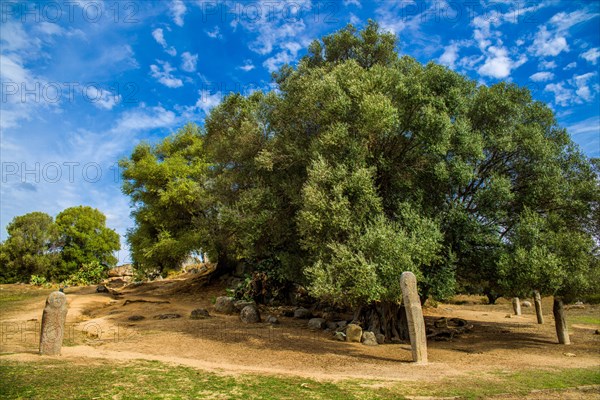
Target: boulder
<point>316,323</point>
<point>136,318</point>
<point>199,313</point>
<point>341,324</point>
<point>353,333</point>
<point>225,305</point>
<point>302,313</point>
<point>368,338</point>
<point>272,320</point>
<point>240,304</point>
<point>332,326</point>
<point>380,338</point>
<point>250,315</point>
<point>123,270</point>
<point>167,316</point>
<point>102,289</point>
<point>526,304</point>
<point>341,336</point>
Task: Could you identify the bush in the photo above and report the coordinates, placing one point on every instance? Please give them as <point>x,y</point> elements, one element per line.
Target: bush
<point>88,274</point>
<point>38,280</point>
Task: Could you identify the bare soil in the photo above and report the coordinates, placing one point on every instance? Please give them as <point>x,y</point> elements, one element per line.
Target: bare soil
<point>98,327</point>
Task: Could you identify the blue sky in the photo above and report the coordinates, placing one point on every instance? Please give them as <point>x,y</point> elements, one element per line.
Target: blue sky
<point>82,82</point>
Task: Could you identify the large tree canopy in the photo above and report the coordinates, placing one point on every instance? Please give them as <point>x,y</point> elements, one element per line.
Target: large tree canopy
<point>363,164</point>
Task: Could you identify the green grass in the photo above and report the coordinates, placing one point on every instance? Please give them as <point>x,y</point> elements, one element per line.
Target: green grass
<point>100,379</point>
<point>10,296</point>
<point>583,319</point>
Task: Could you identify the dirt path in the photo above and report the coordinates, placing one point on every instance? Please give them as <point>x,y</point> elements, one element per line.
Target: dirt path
<point>98,327</point>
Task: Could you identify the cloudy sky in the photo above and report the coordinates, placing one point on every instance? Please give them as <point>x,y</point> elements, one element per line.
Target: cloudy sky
<point>83,81</point>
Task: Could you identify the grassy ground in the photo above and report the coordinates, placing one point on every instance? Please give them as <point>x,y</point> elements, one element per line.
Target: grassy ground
<point>11,298</point>
<point>154,380</point>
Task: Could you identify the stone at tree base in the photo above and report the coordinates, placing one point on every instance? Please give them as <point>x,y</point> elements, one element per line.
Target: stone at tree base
<point>380,338</point>
<point>537,299</point>
<point>101,289</point>
<point>225,305</point>
<point>250,315</point>
<point>353,333</point>
<point>368,338</point>
<point>302,313</point>
<point>272,320</point>
<point>414,315</point>
<point>240,304</point>
<point>53,324</point>
<point>199,313</point>
<point>316,323</point>
<point>560,322</point>
<point>341,336</point>
<point>526,304</point>
<point>516,303</point>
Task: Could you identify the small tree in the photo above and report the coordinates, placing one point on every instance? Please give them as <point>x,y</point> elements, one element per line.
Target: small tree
<point>84,238</point>
<point>30,249</point>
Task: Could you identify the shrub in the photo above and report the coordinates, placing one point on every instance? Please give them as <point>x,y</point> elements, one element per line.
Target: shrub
<point>88,274</point>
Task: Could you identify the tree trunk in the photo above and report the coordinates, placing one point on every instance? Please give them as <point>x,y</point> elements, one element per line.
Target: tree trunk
<point>516,303</point>
<point>386,318</point>
<point>560,322</point>
<point>537,300</point>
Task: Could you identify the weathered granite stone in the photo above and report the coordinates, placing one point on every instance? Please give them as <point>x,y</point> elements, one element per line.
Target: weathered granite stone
<point>53,324</point>
<point>414,315</point>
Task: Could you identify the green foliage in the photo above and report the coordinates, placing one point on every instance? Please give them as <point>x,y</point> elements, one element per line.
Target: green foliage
<point>91,273</point>
<point>39,249</point>
<point>38,280</point>
<point>30,249</point>
<point>166,183</point>
<point>84,239</point>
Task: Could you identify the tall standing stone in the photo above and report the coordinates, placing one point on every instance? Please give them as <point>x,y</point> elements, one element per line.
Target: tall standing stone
<point>516,303</point>
<point>53,324</point>
<point>537,300</point>
<point>560,322</point>
<point>414,315</point>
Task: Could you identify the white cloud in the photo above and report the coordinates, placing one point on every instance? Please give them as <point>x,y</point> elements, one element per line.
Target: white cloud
<point>542,76</point>
<point>215,33</point>
<point>164,76</point>
<point>564,21</point>
<point>178,10</point>
<point>352,3</point>
<point>102,98</point>
<point>498,64</point>
<point>562,96</point>
<point>158,35</point>
<point>189,61</point>
<point>207,101</point>
<point>587,134</point>
<point>548,43</point>
<point>450,55</point>
<point>248,66</point>
<point>583,89</point>
<point>570,66</point>
<point>286,56</point>
<point>547,64</point>
<point>591,55</point>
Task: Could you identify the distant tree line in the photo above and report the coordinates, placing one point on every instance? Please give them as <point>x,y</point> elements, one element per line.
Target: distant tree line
<point>55,250</point>
<point>363,164</point>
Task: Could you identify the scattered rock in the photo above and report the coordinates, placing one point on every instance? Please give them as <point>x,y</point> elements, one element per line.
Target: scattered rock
<point>332,326</point>
<point>250,314</point>
<point>368,338</point>
<point>136,318</point>
<point>508,316</point>
<point>441,323</point>
<point>341,324</point>
<point>353,333</point>
<point>240,304</point>
<point>102,289</point>
<point>225,305</point>
<point>341,336</point>
<point>167,316</point>
<point>145,301</point>
<point>302,313</point>
<point>272,320</point>
<point>199,313</point>
<point>526,304</point>
<point>316,323</point>
<point>122,270</point>
<point>287,313</point>
<point>380,338</point>
<point>570,354</point>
